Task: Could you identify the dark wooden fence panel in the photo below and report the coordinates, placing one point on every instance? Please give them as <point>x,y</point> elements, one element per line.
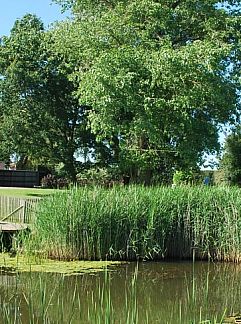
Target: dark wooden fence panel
<point>25,179</point>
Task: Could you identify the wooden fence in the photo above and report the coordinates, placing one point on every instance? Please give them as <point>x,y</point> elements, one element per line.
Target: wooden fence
<point>18,210</point>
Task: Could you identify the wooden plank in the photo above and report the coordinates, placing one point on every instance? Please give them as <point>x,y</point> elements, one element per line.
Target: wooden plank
<point>13,212</point>
<point>12,227</point>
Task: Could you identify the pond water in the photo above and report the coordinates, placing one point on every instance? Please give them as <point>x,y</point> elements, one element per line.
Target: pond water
<point>151,292</point>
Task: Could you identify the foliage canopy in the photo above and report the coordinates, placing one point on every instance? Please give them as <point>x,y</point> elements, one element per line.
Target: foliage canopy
<point>157,74</point>
<point>159,79</point>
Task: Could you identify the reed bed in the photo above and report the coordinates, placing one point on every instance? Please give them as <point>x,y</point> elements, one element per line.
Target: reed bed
<point>135,222</point>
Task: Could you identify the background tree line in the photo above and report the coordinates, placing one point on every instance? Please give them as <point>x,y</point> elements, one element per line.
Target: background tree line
<point>142,87</point>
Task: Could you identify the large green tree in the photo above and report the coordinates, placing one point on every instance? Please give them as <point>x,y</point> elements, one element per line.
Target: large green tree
<point>158,74</point>
<point>41,119</point>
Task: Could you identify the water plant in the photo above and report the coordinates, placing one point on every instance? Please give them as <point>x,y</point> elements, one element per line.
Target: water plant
<point>136,222</point>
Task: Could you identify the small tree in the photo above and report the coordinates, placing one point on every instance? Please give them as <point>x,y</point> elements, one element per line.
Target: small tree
<point>231,160</point>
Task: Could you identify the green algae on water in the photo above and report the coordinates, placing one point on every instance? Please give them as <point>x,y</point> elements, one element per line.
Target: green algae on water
<point>21,263</point>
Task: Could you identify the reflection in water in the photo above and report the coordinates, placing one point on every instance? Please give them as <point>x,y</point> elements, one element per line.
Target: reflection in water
<point>163,292</point>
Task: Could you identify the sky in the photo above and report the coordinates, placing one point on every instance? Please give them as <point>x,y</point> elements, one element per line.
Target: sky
<point>14,9</point>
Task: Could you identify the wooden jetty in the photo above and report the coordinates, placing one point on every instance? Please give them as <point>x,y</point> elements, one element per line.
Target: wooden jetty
<point>12,227</point>
<point>16,215</point>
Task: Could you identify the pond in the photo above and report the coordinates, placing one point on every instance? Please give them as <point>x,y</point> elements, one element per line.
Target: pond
<point>149,292</point>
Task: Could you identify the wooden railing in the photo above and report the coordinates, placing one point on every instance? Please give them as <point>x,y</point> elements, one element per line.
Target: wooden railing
<point>18,210</point>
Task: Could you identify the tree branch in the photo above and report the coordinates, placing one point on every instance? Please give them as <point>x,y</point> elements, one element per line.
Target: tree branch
<point>176,4</point>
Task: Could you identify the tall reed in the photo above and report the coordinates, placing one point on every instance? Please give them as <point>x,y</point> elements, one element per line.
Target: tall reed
<point>129,223</point>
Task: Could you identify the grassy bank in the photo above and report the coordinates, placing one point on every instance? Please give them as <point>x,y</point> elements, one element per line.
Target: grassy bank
<point>127,223</point>
<point>25,192</point>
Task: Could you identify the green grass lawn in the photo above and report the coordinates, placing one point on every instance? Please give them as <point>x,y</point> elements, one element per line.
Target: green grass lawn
<point>25,192</point>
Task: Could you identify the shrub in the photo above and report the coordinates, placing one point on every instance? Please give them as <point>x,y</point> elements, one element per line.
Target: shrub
<point>106,177</point>
<point>53,182</point>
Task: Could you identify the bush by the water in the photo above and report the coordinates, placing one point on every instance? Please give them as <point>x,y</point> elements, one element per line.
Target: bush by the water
<point>127,223</point>
<point>106,177</point>
<point>53,182</point>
